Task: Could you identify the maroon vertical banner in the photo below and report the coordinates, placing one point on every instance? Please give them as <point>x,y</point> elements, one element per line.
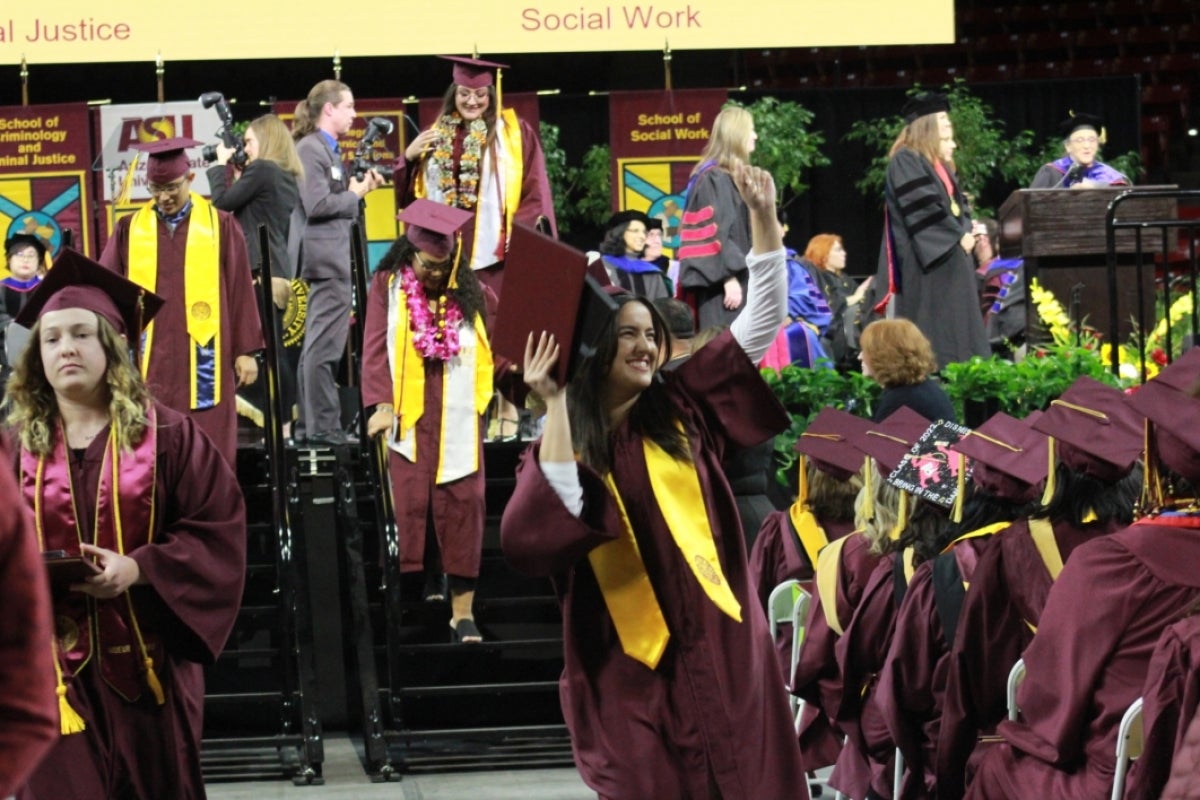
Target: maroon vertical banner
<point>656,138</point>
<point>45,174</point>
<point>380,215</point>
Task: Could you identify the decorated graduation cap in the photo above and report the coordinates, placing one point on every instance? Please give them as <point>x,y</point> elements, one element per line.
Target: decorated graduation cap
<point>1093,431</point>
<point>474,73</point>
<point>931,470</point>
<point>549,286</point>
<point>888,442</point>
<point>1170,405</point>
<point>627,216</point>
<point>1076,122</point>
<point>167,158</point>
<point>924,104</point>
<point>435,228</point>
<point>19,241</point>
<point>76,281</point>
<point>1010,457</point>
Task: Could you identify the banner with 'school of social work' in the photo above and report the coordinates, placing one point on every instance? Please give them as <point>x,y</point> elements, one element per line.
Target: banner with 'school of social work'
<point>45,174</point>
<point>656,139</point>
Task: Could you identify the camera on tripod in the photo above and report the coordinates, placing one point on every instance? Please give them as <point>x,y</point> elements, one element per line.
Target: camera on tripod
<point>377,128</point>
<point>228,137</point>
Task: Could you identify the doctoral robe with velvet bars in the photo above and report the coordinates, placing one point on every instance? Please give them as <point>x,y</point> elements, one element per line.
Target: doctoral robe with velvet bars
<point>713,715</point>
<point>932,277</point>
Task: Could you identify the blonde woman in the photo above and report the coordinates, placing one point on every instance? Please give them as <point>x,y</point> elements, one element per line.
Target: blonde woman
<point>716,224</point>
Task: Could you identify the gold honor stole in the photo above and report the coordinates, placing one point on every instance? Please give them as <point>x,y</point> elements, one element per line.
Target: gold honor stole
<point>201,295</point>
<point>125,518</point>
<point>1042,533</point>
<point>621,573</point>
<point>466,386</point>
<point>827,566</point>
<point>810,533</point>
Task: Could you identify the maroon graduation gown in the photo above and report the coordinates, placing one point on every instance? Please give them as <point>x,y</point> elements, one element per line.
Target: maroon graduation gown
<point>912,682</point>
<point>1184,781</point>
<point>28,705</point>
<point>866,759</point>
<point>170,376</point>
<point>818,676</point>
<point>1008,591</point>
<point>195,568</point>
<point>778,556</point>
<point>1088,662</point>
<point>457,507</point>
<point>536,202</point>
<point>1170,698</point>
<point>714,712</point>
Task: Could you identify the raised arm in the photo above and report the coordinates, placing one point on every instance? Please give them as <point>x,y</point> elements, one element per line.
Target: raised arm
<point>766,303</point>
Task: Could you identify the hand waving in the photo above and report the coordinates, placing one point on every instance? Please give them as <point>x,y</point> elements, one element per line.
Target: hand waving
<point>540,359</point>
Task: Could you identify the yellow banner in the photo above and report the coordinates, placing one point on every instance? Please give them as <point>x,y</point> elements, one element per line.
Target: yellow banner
<point>73,31</point>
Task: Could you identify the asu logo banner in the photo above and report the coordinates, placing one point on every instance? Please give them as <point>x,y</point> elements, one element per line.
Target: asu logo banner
<point>656,139</point>
<point>45,176</point>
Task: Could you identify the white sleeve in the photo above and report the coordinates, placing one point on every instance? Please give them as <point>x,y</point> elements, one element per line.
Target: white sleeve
<point>563,477</point>
<point>766,304</point>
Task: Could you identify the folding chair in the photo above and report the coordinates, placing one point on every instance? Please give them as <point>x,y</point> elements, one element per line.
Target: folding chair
<point>1129,746</point>
<point>799,618</point>
<point>1015,676</point>
<point>898,775</point>
<point>780,603</point>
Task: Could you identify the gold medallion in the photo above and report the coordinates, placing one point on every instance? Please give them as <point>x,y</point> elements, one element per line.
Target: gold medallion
<point>705,570</point>
<point>201,310</point>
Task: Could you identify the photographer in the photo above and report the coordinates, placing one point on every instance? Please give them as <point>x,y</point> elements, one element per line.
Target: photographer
<point>264,192</point>
<point>331,199</point>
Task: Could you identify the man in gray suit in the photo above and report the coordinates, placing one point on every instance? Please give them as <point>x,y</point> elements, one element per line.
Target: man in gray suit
<point>331,199</point>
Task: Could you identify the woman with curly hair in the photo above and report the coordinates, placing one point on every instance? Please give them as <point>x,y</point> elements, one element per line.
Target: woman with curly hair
<point>899,358</point>
<point>135,490</point>
<point>481,158</point>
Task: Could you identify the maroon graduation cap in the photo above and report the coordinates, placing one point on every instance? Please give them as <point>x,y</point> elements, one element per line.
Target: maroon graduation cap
<point>473,73</point>
<point>167,158</point>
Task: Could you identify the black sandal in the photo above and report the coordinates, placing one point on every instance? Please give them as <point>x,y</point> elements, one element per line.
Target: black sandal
<point>465,631</point>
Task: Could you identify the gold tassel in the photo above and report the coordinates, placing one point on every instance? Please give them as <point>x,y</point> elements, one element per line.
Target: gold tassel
<point>69,721</point>
<point>802,495</point>
<point>152,681</point>
<point>868,505</point>
<point>956,515</point>
<point>901,517</point>
<point>1048,494</point>
<point>1152,500</point>
<point>453,282</point>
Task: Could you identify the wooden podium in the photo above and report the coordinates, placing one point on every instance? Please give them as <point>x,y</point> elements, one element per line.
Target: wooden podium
<point>1060,234</point>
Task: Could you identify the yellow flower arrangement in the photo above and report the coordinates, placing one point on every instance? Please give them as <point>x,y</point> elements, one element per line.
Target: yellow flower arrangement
<point>1050,312</point>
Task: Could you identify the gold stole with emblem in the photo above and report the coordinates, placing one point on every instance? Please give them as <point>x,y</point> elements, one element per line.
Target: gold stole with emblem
<point>621,573</point>
<point>201,297</point>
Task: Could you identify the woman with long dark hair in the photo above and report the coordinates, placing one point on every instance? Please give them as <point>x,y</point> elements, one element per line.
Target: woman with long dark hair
<point>427,373</point>
<point>669,669</point>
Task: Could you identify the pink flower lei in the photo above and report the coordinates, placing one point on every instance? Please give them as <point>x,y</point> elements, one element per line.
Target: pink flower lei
<point>437,330</point>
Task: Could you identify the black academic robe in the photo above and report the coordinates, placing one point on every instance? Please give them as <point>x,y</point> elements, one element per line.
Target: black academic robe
<point>932,277</point>
<point>716,231</point>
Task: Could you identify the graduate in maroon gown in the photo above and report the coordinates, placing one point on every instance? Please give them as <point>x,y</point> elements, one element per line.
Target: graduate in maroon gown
<point>138,492</point>
<point>427,372</point>
<point>1115,596</point>
<point>788,542</point>
<point>28,706</point>
<point>844,572</point>
<point>201,346</point>
<point>671,687</point>
<point>481,158</point>
<point>1096,484</point>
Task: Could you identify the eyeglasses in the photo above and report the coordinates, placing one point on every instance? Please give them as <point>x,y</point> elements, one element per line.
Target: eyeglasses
<point>434,266</point>
<point>166,188</point>
<point>30,256</point>
<point>1085,140</point>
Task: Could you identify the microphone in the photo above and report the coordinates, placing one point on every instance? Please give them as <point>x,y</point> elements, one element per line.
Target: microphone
<point>1073,173</point>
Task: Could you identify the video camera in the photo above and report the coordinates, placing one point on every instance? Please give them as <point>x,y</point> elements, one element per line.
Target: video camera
<point>377,128</point>
<point>228,137</point>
